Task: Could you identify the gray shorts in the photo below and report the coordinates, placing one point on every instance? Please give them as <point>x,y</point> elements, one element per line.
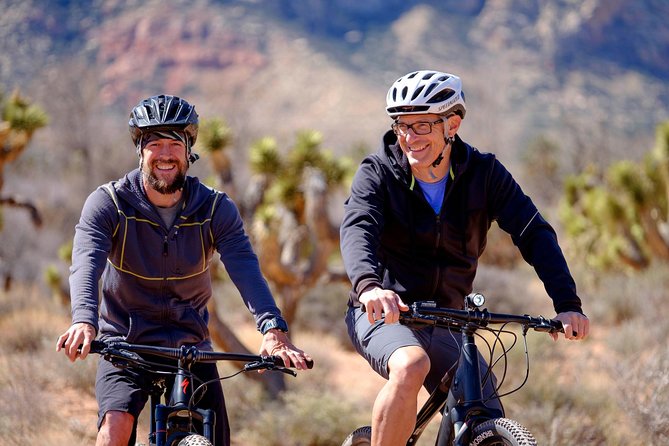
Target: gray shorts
<point>377,342</point>
<point>126,390</point>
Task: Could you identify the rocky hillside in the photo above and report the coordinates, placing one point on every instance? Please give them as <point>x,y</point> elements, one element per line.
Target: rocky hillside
<point>558,67</point>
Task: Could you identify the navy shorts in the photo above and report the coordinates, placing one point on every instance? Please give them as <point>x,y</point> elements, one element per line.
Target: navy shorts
<point>126,390</point>
<point>377,342</point>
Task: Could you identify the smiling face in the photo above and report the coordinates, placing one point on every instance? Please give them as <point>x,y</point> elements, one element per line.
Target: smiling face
<point>422,150</point>
<point>164,165</point>
<point>422,139</point>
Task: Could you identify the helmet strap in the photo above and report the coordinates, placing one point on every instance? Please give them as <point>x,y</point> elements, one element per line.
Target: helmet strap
<point>448,140</point>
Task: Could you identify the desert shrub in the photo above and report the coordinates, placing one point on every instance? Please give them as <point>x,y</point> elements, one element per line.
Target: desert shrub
<point>25,329</point>
<point>22,403</point>
<point>644,392</point>
<point>308,418</point>
<point>620,297</point>
<point>322,310</point>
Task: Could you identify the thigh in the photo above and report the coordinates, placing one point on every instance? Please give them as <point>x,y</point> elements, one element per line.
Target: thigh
<point>444,351</point>
<point>119,390</point>
<point>377,342</point>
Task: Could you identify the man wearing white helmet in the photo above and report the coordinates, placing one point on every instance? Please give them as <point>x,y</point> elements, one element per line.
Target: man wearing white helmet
<point>414,227</point>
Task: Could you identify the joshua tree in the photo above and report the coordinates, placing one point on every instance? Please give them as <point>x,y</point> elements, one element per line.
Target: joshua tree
<point>20,120</point>
<point>292,230</point>
<point>620,216</point>
<point>285,206</point>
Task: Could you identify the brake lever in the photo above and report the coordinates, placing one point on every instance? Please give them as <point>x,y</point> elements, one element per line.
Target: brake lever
<point>123,358</point>
<point>264,365</point>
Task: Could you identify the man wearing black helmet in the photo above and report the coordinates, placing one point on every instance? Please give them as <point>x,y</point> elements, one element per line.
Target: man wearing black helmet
<point>150,237</point>
<point>414,227</point>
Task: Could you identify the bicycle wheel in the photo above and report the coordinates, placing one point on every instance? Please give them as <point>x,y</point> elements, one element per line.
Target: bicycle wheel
<point>362,436</point>
<point>195,440</point>
<point>501,432</point>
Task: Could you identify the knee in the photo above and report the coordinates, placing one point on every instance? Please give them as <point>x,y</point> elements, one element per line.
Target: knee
<point>117,425</point>
<point>409,366</point>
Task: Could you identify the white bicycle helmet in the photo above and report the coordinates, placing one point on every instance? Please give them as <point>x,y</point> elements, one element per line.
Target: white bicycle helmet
<point>424,92</point>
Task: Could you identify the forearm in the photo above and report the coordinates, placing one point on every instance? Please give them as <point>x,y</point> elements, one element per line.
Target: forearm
<point>551,267</point>
<point>90,249</point>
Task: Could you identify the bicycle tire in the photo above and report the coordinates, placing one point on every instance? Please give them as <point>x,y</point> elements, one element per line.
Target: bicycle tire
<point>362,436</point>
<point>195,440</point>
<point>501,432</point>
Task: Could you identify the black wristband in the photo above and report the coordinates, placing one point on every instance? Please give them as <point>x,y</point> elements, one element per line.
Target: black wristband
<point>275,322</point>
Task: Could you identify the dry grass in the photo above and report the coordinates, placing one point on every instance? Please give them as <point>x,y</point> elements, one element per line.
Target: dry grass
<point>610,389</point>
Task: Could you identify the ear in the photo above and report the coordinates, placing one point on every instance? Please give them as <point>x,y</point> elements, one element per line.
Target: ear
<point>453,123</point>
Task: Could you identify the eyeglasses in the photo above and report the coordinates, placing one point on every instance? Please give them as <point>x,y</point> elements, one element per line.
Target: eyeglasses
<point>419,128</point>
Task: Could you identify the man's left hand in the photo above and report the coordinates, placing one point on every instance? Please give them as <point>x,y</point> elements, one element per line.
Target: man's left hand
<point>276,342</point>
<point>576,325</point>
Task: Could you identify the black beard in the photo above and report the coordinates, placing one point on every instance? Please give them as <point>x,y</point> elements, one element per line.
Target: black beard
<point>163,187</point>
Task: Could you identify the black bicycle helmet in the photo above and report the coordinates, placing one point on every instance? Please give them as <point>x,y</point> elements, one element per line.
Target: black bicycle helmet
<point>163,112</point>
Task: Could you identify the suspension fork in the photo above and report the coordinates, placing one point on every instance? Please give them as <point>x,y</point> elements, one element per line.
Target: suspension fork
<point>465,400</point>
<point>181,392</point>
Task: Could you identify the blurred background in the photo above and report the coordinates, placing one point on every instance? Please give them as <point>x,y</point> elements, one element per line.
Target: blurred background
<point>572,96</point>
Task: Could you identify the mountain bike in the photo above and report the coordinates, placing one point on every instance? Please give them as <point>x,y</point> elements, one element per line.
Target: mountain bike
<point>466,420</point>
<point>176,419</point>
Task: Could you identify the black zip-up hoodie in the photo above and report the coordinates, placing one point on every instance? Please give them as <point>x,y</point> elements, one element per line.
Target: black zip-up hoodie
<point>155,279</point>
<point>392,238</point>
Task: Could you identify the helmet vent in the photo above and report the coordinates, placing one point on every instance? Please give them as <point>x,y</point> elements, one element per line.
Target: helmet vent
<point>417,92</point>
<point>412,75</point>
<point>149,113</point>
<point>428,75</point>
<point>443,78</point>
<point>407,109</point>
<point>171,113</point>
<point>429,89</point>
<point>441,96</point>
<point>405,90</point>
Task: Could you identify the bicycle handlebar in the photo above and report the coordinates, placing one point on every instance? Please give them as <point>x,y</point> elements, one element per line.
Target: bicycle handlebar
<point>427,312</point>
<point>192,353</point>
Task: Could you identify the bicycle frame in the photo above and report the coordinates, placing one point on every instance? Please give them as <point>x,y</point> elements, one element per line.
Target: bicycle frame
<point>173,421</point>
<point>459,396</point>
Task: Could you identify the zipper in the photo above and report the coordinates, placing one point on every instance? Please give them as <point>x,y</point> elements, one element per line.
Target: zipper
<point>165,245</point>
<point>435,284</point>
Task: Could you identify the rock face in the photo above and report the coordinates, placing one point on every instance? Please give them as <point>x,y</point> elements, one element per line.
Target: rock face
<point>175,48</point>
<point>326,63</point>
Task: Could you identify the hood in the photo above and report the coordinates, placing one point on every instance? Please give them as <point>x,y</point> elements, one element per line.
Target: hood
<point>131,189</point>
<point>391,153</point>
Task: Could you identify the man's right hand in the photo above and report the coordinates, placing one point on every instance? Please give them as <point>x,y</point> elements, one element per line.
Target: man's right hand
<point>78,334</point>
<point>382,304</point>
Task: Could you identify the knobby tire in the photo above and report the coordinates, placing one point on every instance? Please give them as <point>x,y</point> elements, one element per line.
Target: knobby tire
<point>501,432</point>
<point>362,436</point>
<point>195,440</point>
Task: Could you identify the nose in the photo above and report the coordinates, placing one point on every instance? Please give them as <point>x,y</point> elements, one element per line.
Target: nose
<point>410,135</point>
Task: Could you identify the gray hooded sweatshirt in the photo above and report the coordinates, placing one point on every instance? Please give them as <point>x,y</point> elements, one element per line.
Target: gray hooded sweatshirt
<point>155,279</point>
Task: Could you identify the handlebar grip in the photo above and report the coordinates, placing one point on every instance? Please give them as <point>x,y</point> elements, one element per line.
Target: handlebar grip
<point>548,326</point>
<point>97,346</point>
<point>278,360</point>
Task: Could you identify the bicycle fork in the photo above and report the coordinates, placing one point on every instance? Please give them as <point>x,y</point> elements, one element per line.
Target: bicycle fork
<point>464,403</point>
<point>177,416</point>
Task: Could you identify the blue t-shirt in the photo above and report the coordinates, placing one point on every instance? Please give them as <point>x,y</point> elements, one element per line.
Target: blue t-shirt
<point>434,192</point>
